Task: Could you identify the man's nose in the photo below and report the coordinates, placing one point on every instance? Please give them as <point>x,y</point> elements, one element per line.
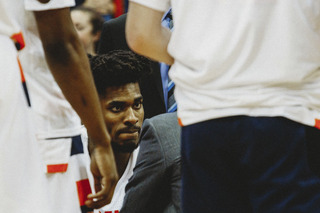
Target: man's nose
<point>131,117</point>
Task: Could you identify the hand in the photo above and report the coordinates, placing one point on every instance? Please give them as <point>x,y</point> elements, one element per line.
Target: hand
<point>105,177</point>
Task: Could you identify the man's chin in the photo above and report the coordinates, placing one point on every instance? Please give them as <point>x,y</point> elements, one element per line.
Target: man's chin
<point>125,147</point>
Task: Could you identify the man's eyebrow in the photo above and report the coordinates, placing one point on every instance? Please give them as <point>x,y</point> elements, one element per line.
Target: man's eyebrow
<point>140,98</point>
<point>116,103</point>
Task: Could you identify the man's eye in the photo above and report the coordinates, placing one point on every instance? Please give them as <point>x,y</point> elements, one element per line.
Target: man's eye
<point>116,108</point>
<point>137,105</point>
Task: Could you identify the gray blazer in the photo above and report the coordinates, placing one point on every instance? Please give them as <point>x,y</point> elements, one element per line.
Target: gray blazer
<point>156,181</point>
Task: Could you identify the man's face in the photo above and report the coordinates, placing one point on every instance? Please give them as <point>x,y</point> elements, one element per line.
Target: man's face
<point>123,114</point>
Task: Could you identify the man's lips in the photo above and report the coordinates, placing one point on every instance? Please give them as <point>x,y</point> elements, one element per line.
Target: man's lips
<point>129,133</point>
<point>132,133</point>
<point>129,130</point>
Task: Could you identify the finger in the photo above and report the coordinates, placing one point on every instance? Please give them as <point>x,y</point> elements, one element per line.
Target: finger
<point>101,198</point>
<point>94,197</point>
<point>103,187</point>
<point>97,184</point>
<point>96,204</point>
<point>102,194</point>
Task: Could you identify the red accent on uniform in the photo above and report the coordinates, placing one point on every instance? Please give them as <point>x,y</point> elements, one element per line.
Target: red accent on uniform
<point>57,168</point>
<point>317,123</point>
<point>119,8</point>
<point>83,187</point>
<point>18,38</point>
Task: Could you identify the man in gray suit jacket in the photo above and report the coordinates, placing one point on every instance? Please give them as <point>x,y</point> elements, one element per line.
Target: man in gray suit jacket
<point>156,181</point>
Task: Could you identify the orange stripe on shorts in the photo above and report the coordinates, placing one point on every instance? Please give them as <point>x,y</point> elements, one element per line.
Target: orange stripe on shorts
<point>53,168</point>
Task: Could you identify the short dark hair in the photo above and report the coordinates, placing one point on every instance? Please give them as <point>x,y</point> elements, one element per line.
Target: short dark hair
<point>117,68</point>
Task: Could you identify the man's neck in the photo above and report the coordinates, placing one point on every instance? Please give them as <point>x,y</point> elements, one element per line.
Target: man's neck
<point>122,160</point>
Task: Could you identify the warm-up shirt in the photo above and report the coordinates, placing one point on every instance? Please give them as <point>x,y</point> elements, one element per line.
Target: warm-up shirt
<point>53,113</point>
<point>256,58</point>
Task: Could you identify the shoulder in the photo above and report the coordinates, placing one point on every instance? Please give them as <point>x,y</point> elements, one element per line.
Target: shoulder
<point>164,119</point>
<point>164,127</point>
<point>119,21</point>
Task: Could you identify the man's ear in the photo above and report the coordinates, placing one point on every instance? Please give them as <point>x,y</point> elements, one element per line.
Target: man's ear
<point>43,1</point>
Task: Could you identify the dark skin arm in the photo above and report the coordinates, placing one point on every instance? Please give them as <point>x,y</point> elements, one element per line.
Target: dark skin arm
<point>69,65</point>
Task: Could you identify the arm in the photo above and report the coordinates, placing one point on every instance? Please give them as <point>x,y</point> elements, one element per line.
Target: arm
<point>145,35</point>
<point>146,186</point>
<point>69,65</point>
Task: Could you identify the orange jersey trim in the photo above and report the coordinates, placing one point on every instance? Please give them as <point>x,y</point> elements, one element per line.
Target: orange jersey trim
<point>18,40</point>
<point>180,122</point>
<point>317,123</point>
<point>57,168</point>
<point>21,71</point>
